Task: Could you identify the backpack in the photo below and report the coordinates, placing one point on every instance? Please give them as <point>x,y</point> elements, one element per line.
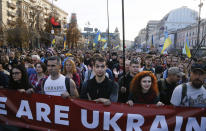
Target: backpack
<point>184,89</point>
<point>184,92</point>
<point>67,83</point>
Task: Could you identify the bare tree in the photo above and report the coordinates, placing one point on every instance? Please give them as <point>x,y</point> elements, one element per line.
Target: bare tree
<point>19,35</point>
<point>73,33</point>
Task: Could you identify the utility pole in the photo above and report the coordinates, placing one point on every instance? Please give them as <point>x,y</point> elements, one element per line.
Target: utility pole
<point>147,36</point>
<point>123,36</point>
<point>108,38</point>
<point>199,22</point>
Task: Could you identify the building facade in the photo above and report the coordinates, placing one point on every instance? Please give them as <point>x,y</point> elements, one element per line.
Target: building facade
<point>179,23</point>
<point>89,35</point>
<point>32,12</point>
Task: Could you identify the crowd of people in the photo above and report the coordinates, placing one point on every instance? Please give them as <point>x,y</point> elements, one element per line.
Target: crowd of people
<point>99,76</point>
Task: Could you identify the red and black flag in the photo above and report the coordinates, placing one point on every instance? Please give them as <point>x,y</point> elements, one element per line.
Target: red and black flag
<point>54,23</point>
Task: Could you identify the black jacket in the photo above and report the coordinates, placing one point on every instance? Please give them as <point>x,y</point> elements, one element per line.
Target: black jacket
<point>123,97</point>
<point>107,89</point>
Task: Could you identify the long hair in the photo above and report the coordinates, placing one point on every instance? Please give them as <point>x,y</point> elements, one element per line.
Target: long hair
<point>135,86</point>
<point>24,81</point>
<point>74,70</point>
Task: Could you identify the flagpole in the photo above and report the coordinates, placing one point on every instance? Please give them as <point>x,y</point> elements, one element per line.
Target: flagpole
<point>108,41</point>
<point>123,33</point>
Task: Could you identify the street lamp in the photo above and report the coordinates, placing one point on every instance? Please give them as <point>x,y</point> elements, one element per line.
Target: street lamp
<point>199,21</point>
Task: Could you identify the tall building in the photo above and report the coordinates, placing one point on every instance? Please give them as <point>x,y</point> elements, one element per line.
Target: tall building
<point>33,12</point>
<point>8,12</point>
<point>175,20</point>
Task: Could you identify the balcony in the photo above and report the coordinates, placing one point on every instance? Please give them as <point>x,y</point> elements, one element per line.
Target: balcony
<point>10,13</point>
<point>11,5</point>
<point>11,22</point>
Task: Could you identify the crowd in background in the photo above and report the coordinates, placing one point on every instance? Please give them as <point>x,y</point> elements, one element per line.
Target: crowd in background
<point>99,76</point>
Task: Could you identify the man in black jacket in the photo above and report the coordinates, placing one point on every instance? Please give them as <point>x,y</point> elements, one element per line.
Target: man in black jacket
<point>124,85</point>
<point>100,88</point>
<point>167,86</point>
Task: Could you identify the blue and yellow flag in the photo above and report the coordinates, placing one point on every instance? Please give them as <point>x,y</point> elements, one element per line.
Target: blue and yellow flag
<point>97,38</point>
<point>186,49</point>
<point>116,46</point>
<point>103,40</point>
<point>65,43</point>
<point>105,46</point>
<point>53,42</point>
<point>167,42</point>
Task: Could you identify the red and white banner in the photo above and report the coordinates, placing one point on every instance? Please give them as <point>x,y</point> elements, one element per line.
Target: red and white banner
<point>43,112</point>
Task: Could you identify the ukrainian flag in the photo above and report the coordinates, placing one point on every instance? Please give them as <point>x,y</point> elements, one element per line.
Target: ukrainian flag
<point>105,46</point>
<point>65,44</point>
<point>97,38</point>
<point>167,42</point>
<point>53,42</point>
<point>103,40</point>
<point>187,48</point>
<point>117,46</point>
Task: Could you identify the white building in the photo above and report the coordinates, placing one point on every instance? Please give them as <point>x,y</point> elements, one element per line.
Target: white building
<point>176,19</point>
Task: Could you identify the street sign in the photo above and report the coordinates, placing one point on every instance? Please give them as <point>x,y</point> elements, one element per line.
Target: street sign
<point>88,29</point>
<point>52,31</point>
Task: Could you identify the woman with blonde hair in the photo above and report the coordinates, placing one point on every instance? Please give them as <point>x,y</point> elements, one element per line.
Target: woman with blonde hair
<point>70,71</point>
<point>144,89</point>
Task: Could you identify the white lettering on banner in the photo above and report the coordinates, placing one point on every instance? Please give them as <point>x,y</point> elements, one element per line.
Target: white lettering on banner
<point>179,121</point>
<point>95,121</point>
<point>42,114</point>
<point>58,115</point>
<point>3,99</point>
<point>112,122</point>
<point>193,124</point>
<point>27,112</point>
<point>134,125</point>
<point>159,119</point>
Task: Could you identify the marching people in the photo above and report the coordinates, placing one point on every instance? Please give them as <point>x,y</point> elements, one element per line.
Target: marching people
<point>167,86</point>
<point>70,71</point>
<point>192,93</point>
<point>36,79</point>
<point>56,83</point>
<point>100,88</point>
<point>148,64</point>
<point>144,90</point>
<point>124,85</point>
<point>19,79</point>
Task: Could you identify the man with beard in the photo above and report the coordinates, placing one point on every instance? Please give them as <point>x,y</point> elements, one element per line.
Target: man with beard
<point>100,88</point>
<point>191,94</point>
<point>167,86</point>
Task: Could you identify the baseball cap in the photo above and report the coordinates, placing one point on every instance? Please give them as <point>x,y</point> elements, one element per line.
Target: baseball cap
<point>200,67</point>
<point>175,71</point>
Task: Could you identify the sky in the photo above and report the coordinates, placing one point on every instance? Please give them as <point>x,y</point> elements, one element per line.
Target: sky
<point>137,13</point>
